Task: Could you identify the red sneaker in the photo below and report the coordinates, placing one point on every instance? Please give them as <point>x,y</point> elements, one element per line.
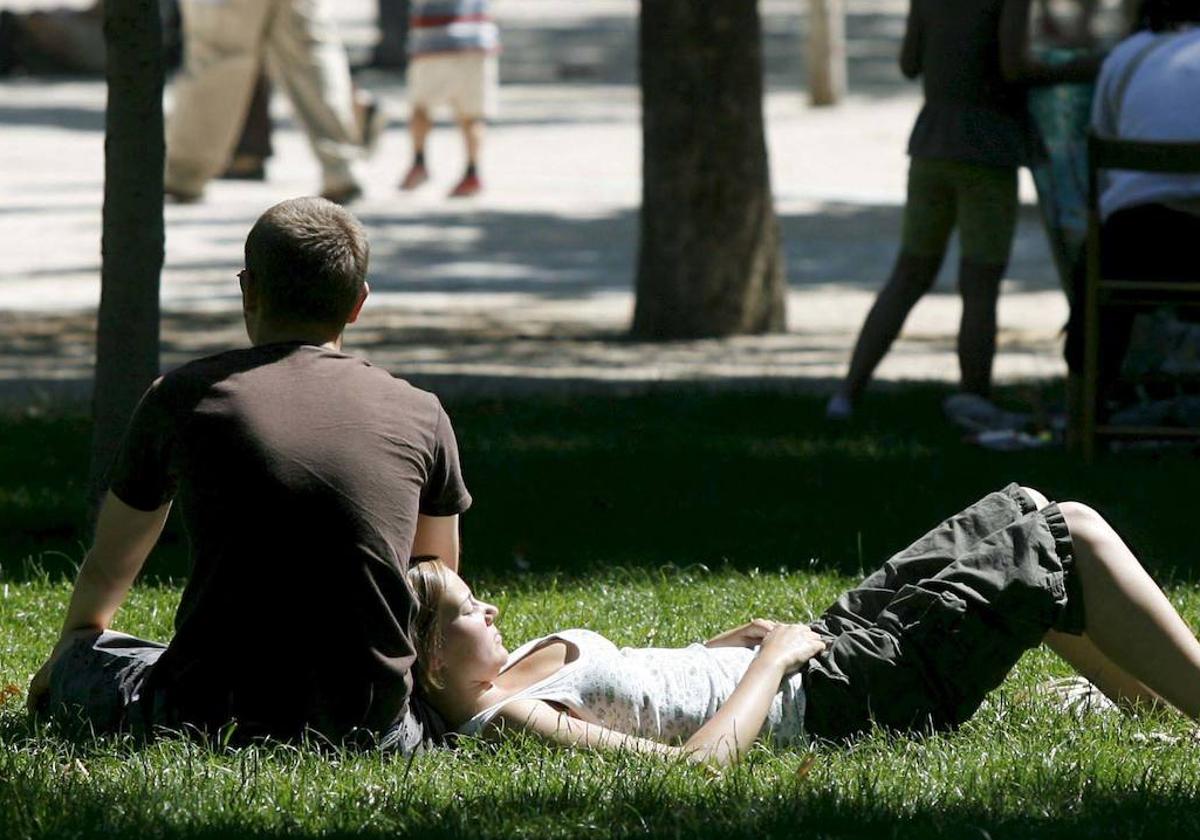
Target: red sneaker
<point>468,186</point>
<point>416,176</point>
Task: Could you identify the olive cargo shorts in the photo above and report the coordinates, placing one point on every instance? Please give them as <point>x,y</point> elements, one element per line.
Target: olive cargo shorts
<point>920,643</point>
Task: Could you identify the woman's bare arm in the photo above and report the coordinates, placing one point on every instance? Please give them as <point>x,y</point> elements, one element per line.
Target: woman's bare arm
<point>540,718</point>
<point>719,742</point>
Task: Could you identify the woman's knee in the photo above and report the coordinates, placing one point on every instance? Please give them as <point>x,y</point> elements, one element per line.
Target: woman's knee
<point>1079,516</point>
<point>1088,528</point>
<point>1038,497</point>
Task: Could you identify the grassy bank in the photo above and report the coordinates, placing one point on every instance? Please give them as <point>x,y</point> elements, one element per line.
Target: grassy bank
<point>657,519</point>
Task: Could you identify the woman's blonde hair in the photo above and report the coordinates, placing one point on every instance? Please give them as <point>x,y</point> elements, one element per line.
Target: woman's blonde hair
<point>427,577</point>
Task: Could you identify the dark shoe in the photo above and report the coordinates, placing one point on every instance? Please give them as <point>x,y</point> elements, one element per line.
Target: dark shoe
<point>245,168</point>
<point>343,195</point>
<point>468,186</point>
<point>173,195</point>
<point>371,120</point>
<point>415,177</point>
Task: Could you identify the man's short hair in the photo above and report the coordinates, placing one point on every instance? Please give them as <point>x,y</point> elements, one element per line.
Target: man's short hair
<point>308,258</point>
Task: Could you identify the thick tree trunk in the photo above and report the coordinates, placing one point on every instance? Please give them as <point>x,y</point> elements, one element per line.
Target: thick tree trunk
<point>132,239</point>
<point>709,262</point>
<point>826,51</point>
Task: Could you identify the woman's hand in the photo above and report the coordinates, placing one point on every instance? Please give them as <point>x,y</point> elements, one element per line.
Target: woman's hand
<point>747,635</point>
<point>790,646</point>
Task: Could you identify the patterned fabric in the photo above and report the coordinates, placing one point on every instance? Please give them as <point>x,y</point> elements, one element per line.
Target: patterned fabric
<point>1062,113</point>
<point>664,694</point>
<point>441,26</point>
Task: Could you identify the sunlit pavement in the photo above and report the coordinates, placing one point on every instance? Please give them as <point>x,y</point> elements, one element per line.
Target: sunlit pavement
<point>529,285</point>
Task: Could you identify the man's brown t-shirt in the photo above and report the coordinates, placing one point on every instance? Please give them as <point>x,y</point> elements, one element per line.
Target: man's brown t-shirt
<point>300,473</point>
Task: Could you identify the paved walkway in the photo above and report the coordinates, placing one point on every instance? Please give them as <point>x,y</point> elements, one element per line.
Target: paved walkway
<point>529,285</point>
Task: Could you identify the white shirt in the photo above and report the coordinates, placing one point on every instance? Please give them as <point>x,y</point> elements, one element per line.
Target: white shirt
<point>1161,101</point>
<point>663,694</point>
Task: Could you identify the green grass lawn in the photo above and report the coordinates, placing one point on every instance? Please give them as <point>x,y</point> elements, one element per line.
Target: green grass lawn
<point>656,519</point>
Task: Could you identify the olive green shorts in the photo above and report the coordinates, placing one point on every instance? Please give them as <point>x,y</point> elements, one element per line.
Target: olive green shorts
<point>921,642</point>
<point>980,200</point>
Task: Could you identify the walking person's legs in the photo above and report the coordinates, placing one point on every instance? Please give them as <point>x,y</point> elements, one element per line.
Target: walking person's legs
<point>248,162</point>
<point>222,43</point>
<point>987,221</point>
<point>929,214</point>
<point>470,183</point>
<point>308,58</point>
<point>419,126</point>
<point>474,103</point>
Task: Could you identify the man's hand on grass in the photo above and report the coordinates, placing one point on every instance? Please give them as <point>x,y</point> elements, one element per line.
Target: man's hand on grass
<point>39,686</point>
<point>748,635</point>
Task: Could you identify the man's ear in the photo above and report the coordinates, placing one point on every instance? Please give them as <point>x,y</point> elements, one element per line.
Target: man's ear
<point>354,313</point>
<point>250,297</point>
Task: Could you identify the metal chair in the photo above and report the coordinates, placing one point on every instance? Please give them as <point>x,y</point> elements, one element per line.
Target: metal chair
<point>1102,292</point>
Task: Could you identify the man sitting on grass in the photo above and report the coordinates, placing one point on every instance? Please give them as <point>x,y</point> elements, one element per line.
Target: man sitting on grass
<point>307,478</point>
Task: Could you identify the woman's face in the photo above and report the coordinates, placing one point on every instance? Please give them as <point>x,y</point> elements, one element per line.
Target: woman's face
<point>472,648</point>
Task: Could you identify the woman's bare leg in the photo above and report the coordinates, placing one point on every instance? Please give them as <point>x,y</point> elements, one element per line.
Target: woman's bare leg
<point>1081,653</point>
<point>1128,617</point>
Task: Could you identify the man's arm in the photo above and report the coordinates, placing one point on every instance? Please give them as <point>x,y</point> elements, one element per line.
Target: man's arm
<point>124,538</point>
<point>437,536</point>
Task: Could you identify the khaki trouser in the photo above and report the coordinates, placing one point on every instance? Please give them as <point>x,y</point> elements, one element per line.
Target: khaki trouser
<point>226,42</point>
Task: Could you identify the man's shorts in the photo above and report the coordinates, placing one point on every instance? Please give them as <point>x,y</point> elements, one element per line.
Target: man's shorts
<point>96,687</point>
<point>921,642</point>
<point>466,81</point>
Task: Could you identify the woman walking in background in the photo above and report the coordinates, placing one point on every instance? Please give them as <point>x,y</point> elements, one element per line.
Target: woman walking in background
<point>969,140</point>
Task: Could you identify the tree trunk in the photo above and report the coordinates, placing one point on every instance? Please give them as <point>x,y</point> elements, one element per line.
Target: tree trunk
<point>132,239</point>
<point>826,51</point>
<point>709,262</point>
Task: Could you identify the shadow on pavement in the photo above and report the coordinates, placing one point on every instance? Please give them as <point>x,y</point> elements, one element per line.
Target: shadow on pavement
<point>514,296</point>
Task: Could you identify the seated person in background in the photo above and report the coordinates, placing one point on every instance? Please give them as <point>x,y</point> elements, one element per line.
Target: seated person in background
<point>307,478</point>
<point>1149,89</point>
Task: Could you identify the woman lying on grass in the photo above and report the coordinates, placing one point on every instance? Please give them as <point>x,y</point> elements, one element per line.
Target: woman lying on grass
<point>916,645</point>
